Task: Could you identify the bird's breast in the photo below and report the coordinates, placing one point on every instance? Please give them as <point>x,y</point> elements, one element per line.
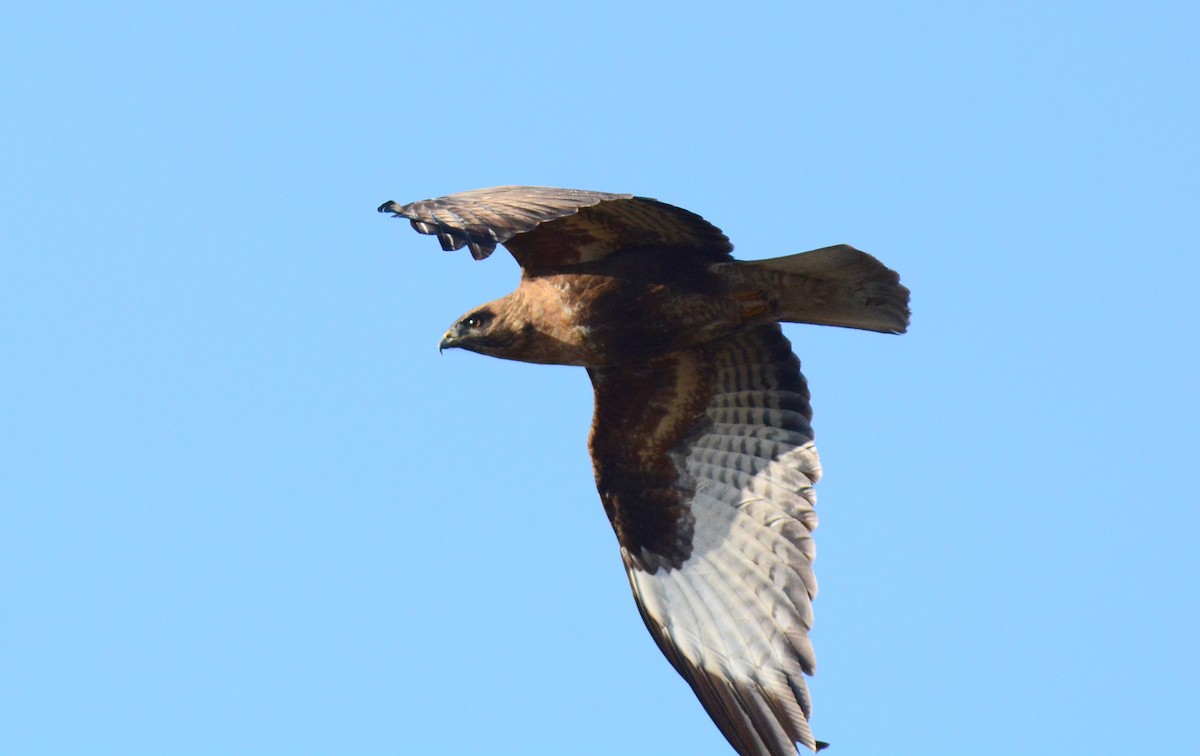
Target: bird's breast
<point>608,319</point>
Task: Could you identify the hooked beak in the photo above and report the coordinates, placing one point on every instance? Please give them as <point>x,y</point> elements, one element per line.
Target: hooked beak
<point>448,342</point>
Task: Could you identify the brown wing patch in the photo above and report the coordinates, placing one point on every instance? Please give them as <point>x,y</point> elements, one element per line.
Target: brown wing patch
<point>642,414</point>
<point>547,228</point>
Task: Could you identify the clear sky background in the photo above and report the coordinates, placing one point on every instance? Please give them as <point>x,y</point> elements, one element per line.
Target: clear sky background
<point>248,509</point>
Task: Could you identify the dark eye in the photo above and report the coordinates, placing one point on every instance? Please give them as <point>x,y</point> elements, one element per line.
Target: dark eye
<point>475,321</point>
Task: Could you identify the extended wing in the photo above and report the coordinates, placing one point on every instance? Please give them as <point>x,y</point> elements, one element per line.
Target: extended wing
<point>548,228</point>
<point>705,464</point>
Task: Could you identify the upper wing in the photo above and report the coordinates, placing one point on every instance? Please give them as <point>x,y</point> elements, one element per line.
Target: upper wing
<point>548,228</point>
<point>705,464</point>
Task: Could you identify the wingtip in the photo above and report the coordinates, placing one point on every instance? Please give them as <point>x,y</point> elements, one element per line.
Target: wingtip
<point>389,207</point>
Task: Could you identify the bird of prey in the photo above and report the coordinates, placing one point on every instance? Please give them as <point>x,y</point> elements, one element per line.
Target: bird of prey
<point>701,440</point>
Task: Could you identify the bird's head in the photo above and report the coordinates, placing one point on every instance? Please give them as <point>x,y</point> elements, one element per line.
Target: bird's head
<point>480,330</point>
<point>497,329</point>
<point>504,329</point>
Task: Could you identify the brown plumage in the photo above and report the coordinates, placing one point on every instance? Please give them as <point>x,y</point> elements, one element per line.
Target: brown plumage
<point>701,440</point>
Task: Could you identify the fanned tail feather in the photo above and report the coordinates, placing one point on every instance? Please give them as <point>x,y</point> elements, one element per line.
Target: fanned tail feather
<point>835,286</point>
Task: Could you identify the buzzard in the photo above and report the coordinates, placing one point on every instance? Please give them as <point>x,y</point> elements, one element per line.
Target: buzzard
<point>701,440</point>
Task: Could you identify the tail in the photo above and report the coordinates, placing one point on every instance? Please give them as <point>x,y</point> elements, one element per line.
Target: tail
<point>835,286</point>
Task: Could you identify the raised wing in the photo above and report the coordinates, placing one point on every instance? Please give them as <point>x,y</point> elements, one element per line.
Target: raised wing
<point>705,464</point>
<point>548,228</point>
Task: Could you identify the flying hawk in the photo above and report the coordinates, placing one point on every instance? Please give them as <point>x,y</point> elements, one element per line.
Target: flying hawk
<point>701,440</point>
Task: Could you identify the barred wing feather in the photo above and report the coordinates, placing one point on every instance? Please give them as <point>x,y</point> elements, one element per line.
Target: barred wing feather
<point>727,593</point>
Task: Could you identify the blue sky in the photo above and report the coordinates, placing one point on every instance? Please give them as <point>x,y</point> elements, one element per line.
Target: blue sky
<point>248,508</point>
